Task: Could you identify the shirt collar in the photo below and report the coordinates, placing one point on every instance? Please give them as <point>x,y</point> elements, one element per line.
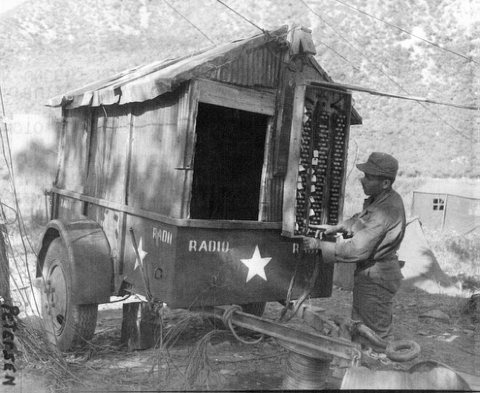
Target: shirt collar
<point>379,198</point>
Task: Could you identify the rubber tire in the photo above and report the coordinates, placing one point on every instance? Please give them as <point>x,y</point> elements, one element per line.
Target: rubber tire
<point>79,320</point>
<point>402,350</point>
<point>257,308</point>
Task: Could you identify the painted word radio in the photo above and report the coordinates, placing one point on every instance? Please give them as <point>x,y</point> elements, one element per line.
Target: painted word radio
<point>208,246</point>
<point>161,236</point>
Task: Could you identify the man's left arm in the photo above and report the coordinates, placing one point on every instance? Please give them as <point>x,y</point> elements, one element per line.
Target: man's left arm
<point>362,245</point>
<point>355,249</point>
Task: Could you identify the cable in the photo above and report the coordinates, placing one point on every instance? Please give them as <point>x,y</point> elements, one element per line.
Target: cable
<point>25,302</point>
<point>191,23</point>
<point>392,95</point>
<point>21,223</point>
<point>120,300</point>
<point>5,216</point>
<point>9,245</point>
<point>381,70</point>
<point>354,160</point>
<point>468,58</point>
<point>243,17</point>
<point>341,56</point>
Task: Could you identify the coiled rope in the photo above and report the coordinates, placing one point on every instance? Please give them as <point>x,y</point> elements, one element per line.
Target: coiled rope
<point>227,320</point>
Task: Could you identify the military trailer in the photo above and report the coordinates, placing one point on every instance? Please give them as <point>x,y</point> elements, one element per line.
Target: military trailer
<point>189,182</point>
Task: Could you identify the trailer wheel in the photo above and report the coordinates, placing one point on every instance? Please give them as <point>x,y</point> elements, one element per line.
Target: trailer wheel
<point>67,324</point>
<point>257,308</point>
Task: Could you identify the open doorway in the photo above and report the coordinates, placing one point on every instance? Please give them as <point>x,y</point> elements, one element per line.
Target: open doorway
<point>228,163</point>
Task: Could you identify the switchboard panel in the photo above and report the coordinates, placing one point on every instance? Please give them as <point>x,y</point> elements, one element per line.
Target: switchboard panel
<point>321,165</point>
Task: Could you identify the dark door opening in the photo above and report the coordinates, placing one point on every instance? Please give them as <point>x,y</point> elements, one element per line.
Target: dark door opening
<point>228,163</point>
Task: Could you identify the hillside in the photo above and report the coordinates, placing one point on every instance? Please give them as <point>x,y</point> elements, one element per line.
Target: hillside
<point>51,46</point>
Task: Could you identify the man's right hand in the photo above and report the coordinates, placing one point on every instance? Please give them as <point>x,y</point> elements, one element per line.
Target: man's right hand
<point>331,229</point>
<point>328,229</point>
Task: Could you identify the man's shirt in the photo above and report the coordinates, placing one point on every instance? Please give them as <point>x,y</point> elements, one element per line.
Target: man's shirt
<point>377,233</point>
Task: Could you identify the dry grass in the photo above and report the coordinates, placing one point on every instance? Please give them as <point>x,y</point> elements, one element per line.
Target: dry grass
<point>66,371</point>
<point>198,366</point>
<point>195,367</point>
<point>39,354</point>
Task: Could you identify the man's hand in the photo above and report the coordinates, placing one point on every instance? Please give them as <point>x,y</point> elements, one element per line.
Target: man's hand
<point>331,229</point>
<point>335,229</point>
<point>310,243</point>
<point>327,248</point>
<point>328,229</point>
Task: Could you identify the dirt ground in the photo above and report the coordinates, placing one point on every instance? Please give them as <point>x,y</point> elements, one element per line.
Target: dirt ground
<point>228,364</point>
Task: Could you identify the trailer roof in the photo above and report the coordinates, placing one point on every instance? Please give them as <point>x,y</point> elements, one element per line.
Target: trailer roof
<point>148,81</point>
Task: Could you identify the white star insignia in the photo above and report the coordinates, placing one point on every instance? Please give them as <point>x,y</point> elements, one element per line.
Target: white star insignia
<point>141,253</point>
<point>256,265</point>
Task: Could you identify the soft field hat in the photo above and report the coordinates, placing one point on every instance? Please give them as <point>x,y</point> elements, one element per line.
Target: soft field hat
<point>380,164</point>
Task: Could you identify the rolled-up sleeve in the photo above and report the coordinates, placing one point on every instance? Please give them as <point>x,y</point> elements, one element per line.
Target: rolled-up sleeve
<point>362,245</point>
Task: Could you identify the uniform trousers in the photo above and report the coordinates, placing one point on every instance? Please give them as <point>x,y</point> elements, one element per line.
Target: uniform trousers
<point>373,302</point>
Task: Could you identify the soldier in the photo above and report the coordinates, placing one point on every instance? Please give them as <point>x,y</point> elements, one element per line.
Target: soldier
<point>376,233</point>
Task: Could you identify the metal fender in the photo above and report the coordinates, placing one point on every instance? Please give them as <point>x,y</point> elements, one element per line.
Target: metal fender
<point>89,258</point>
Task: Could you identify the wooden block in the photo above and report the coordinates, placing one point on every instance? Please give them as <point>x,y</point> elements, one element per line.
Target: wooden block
<point>138,326</point>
